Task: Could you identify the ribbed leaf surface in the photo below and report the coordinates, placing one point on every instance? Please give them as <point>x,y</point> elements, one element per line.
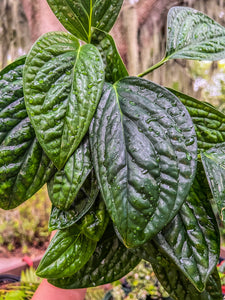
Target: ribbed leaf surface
<point>192,240</point>
<point>193,35</point>
<point>209,122</point>
<point>60,219</point>
<point>114,66</point>
<point>144,153</point>
<point>66,183</point>
<point>214,163</point>
<point>24,168</point>
<point>175,282</point>
<point>109,262</point>
<point>62,85</point>
<point>67,253</point>
<point>79,16</point>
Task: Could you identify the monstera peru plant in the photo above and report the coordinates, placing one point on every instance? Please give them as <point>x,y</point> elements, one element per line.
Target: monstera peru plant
<point>131,167</point>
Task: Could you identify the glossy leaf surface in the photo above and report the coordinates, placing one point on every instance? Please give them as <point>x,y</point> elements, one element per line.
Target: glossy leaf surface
<point>24,168</point>
<point>109,262</point>
<point>62,84</point>
<point>214,163</point>
<point>144,153</point>
<point>66,183</point>
<point>60,219</point>
<point>193,35</point>
<point>79,16</point>
<point>114,66</point>
<point>192,240</point>
<point>175,282</point>
<point>209,122</point>
<point>68,252</point>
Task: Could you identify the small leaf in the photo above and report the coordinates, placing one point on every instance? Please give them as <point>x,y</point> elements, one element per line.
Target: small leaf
<point>109,262</point>
<point>94,223</point>
<point>62,84</point>
<point>60,219</point>
<point>209,122</point>
<point>67,253</point>
<point>78,16</point>
<point>175,282</point>
<point>192,240</point>
<point>193,35</point>
<point>142,155</point>
<point>214,164</point>
<point>24,168</point>
<point>66,183</point>
<point>114,66</point>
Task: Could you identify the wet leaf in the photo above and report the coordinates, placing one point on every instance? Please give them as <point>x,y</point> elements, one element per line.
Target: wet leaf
<point>109,262</point>
<point>193,35</point>
<point>62,85</point>
<point>24,168</point>
<point>214,164</point>
<point>79,16</point>
<point>66,183</point>
<point>142,155</point>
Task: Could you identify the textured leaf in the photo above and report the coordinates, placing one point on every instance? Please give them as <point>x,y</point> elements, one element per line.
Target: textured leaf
<point>109,262</point>
<point>60,219</point>
<point>144,151</point>
<point>79,16</point>
<point>214,164</point>
<point>114,66</point>
<point>24,168</point>
<point>209,122</point>
<point>66,183</point>
<point>67,253</point>
<point>175,282</point>
<point>62,84</point>
<point>94,223</point>
<point>193,35</point>
<point>192,240</point>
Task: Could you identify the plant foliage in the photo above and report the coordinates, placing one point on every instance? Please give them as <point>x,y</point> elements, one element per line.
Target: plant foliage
<point>120,155</point>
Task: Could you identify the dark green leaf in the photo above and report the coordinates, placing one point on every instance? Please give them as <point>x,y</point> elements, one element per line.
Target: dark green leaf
<point>66,183</point>
<point>175,282</point>
<point>84,200</point>
<point>62,84</point>
<point>114,66</point>
<point>67,253</point>
<point>214,163</point>
<point>79,16</point>
<point>192,240</point>
<point>109,262</point>
<point>94,223</point>
<point>144,153</point>
<point>209,122</point>
<point>193,35</point>
<point>24,168</point>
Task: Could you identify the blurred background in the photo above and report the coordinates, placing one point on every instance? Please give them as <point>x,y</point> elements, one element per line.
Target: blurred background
<point>140,35</point>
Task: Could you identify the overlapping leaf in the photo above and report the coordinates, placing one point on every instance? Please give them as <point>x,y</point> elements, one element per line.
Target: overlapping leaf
<point>175,282</point>
<point>109,262</point>
<point>192,240</point>
<point>67,253</point>
<point>79,16</point>
<point>60,219</point>
<point>214,163</point>
<point>193,35</point>
<point>114,66</point>
<point>144,153</point>
<point>66,183</point>
<point>62,84</point>
<point>209,122</point>
<point>24,168</point>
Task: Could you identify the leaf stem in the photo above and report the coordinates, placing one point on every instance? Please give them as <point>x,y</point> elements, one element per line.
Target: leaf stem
<point>152,68</point>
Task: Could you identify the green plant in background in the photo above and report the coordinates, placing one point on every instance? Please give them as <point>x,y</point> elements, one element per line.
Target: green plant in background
<point>129,164</point>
